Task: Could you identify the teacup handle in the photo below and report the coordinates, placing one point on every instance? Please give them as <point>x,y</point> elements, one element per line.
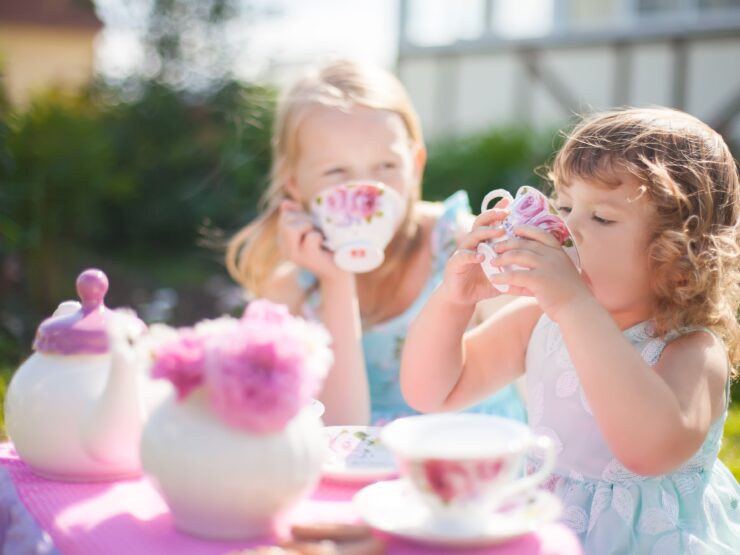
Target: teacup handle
<point>541,443</point>
<point>494,195</point>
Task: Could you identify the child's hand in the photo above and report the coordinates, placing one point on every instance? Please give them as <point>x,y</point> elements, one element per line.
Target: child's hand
<point>546,274</point>
<point>464,280</point>
<point>302,243</point>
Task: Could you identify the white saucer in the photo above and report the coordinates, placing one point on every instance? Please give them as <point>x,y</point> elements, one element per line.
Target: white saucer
<point>392,507</point>
<point>355,454</point>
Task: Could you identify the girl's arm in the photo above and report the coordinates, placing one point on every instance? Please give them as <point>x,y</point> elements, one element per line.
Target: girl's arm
<point>442,368</point>
<point>653,418</point>
<point>345,393</point>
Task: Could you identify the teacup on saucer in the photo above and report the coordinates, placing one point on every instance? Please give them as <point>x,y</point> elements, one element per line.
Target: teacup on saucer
<point>463,466</point>
<point>394,508</point>
<point>358,219</point>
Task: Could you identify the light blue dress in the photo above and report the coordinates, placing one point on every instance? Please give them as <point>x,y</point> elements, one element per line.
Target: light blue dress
<point>693,510</point>
<point>382,343</point>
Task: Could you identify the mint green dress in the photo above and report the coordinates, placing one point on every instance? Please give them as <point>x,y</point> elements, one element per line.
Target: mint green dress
<point>693,510</point>
<point>382,343</point>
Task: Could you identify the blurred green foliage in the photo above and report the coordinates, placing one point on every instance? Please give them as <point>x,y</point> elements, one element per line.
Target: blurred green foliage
<point>92,177</point>
<point>504,157</point>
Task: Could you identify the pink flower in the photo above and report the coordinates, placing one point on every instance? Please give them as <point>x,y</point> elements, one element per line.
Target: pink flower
<point>263,372</point>
<point>365,201</point>
<point>267,312</point>
<point>255,380</point>
<point>258,371</point>
<point>181,362</point>
<point>528,206</point>
<point>552,224</point>
<point>337,200</point>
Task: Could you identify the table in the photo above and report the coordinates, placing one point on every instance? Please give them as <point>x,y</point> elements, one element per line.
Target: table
<point>129,516</point>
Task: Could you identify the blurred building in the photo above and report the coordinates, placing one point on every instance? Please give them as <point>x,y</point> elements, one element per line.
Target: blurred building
<point>470,64</point>
<point>45,43</point>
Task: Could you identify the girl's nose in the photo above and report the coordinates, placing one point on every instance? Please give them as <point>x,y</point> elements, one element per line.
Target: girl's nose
<point>574,226</point>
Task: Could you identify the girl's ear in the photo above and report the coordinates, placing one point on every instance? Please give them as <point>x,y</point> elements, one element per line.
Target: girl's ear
<point>420,160</point>
<point>291,189</point>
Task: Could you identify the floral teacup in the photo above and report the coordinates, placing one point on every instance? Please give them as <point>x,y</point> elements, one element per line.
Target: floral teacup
<point>464,466</point>
<point>358,219</point>
<point>529,207</point>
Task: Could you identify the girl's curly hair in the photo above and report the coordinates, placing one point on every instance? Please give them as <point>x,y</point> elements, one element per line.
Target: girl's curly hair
<point>691,177</point>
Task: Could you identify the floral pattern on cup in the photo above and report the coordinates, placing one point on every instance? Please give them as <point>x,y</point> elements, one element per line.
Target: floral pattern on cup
<point>529,207</point>
<point>358,220</point>
<point>452,480</point>
<point>350,204</point>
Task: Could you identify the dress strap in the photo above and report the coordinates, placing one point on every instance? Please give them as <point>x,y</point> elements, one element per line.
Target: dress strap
<point>670,336</point>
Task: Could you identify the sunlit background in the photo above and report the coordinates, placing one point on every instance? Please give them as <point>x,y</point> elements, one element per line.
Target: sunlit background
<point>134,134</point>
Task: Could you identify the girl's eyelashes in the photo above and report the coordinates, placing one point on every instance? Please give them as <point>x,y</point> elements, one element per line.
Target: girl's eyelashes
<point>601,220</point>
<point>334,171</point>
<point>564,210</point>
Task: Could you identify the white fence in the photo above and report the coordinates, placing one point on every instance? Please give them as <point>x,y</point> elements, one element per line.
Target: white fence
<point>688,58</point>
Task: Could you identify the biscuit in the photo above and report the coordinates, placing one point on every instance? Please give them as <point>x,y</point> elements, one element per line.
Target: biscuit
<point>266,550</point>
<point>365,546</point>
<point>339,532</point>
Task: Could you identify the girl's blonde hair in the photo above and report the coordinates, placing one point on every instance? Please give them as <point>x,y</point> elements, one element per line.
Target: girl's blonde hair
<point>253,254</point>
<point>689,174</point>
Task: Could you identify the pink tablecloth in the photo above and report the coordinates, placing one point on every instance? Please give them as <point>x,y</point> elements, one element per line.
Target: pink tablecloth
<point>129,516</point>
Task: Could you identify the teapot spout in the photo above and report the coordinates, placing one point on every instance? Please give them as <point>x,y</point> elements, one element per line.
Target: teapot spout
<point>112,429</point>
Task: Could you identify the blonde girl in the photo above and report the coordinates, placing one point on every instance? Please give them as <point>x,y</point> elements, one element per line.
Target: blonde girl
<point>345,121</point>
<point>628,362</point>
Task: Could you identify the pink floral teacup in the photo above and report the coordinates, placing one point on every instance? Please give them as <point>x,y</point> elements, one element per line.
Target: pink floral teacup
<point>464,466</point>
<point>529,207</point>
<point>358,219</point>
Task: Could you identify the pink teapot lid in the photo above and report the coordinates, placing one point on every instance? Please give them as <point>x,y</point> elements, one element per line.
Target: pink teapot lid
<point>84,330</point>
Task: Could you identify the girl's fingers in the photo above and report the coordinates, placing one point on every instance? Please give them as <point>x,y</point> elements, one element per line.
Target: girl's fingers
<point>313,240</point>
<point>493,216</point>
<point>524,244</point>
<point>519,281</point>
<point>480,234</point>
<point>536,234</point>
<point>291,236</point>
<point>293,219</point>
<point>520,257</point>
<point>293,225</point>
<point>292,215</point>
<point>290,205</point>
<point>466,256</point>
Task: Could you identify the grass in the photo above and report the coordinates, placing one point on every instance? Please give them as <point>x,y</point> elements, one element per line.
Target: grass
<point>730,453</point>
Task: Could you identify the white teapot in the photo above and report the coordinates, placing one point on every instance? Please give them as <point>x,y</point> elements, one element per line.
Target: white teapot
<point>75,408</point>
